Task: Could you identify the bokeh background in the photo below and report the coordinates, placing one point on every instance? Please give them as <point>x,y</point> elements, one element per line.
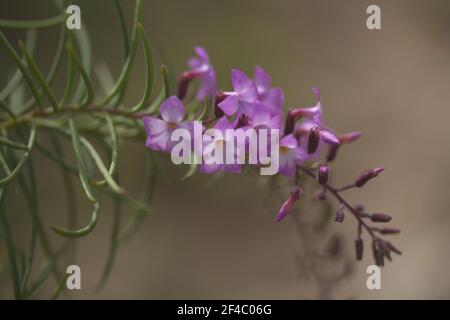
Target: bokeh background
<point>221,242</point>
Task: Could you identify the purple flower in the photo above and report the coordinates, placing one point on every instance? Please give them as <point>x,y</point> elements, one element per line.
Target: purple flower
<point>272,97</point>
<point>202,69</point>
<point>159,130</point>
<point>242,98</point>
<point>219,142</point>
<point>290,155</point>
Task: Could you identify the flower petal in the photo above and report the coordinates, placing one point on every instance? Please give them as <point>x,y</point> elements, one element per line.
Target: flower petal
<point>172,110</point>
<point>262,80</point>
<point>229,105</point>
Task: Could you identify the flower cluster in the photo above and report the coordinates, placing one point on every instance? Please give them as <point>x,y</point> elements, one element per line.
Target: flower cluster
<point>253,103</point>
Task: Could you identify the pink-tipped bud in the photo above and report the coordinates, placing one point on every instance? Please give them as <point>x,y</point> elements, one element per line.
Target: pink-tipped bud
<point>389,231</point>
<point>350,137</point>
<point>288,204</point>
<point>359,249</point>
<point>340,215</point>
<point>322,174</point>
<point>313,140</point>
<point>380,217</point>
<point>368,175</point>
<point>183,83</point>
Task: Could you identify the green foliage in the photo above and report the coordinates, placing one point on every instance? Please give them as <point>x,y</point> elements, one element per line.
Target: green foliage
<point>32,113</point>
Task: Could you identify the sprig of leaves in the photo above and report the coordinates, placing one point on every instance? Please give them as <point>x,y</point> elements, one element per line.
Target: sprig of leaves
<point>31,110</point>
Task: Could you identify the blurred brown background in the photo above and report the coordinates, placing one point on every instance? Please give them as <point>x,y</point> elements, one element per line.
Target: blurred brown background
<point>391,84</point>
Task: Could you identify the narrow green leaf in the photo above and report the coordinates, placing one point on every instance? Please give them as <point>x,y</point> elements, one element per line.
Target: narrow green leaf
<point>33,205</point>
<point>165,75</point>
<point>60,287</point>
<point>81,163</point>
<point>39,77</point>
<point>90,92</point>
<point>124,75</point>
<point>149,71</point>
<point>101,167</point>
<point>157,102</point>
<point>123,26</point>
<point>83,231</point>
<point>12,144</point>
<point>12,53</point>
<point>30,42</point>
<point>23,159</point>
<point>10,248</point>
<point>113,245</point>
<point>33,24</point>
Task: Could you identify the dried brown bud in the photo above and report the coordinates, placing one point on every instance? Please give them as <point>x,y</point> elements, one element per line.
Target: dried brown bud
<point>340,214</point>
<point>313,140</point>
<point>359,249</point>
<point>393,248</point>
<point>380,217</point>
<point>367,175</point>
<point>389,231</point>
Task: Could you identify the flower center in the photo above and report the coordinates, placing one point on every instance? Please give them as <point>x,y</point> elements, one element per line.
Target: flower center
<point>171,125</point>
<point>284,150</point>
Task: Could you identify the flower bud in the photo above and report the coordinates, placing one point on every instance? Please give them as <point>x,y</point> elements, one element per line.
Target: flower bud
<point>359,249</point>
<point>340,214</point>
<point>183,83</point>
<point>332,152</point>
<point>380,217</point>
<point>313,140</point>
<point>389,231</point>
<point>322,174</point>
<point>350,137</point>
<point>367,175</point>
<point>288,204</point>
<point>220,96</point>
<point>393,248</point>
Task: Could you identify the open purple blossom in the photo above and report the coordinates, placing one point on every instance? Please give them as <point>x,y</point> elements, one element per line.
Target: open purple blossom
<point>219,140</point>
<point>291,155</point>
<point>202,69</point>
<point>242,98</point>
<point>273,98</point>
<point>159,130</point>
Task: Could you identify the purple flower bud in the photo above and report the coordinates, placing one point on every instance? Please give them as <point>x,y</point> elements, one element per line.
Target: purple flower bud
<point>367,175</point>
<point>389,231</point>
<point>380,217</point>
<point>183,83</point>
<point>291,117</point>
<point>340,214</point>
<point>220,96</point>
<point>350,137</point>
<point>313,140</point>
<point>322,174</point>
<point>332,152</point>
<point>359,249</point>
<point>288,204</point>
